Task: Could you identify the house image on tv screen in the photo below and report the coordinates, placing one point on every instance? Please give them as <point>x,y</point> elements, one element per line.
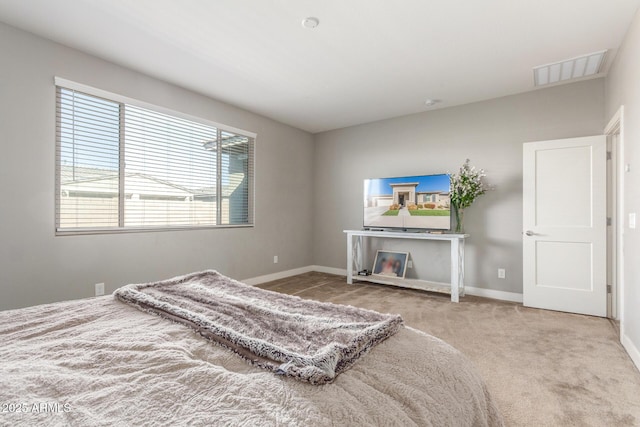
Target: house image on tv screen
<point>408,202</point>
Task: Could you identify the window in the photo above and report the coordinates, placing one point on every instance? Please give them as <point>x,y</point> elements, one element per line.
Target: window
<point>123,166</point>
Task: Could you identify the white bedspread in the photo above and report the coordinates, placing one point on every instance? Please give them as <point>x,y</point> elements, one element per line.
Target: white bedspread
<point>101,362</point>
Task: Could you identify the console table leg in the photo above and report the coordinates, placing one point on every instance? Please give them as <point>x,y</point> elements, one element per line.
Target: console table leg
<point>461,267</point>
<point>350,259</point>
<point>455,270</point>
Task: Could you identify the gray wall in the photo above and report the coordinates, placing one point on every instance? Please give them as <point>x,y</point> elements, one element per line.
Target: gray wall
<point>37,267</point>
<point>306,192</point>
<point>490,133</point>
<point>623,88</point>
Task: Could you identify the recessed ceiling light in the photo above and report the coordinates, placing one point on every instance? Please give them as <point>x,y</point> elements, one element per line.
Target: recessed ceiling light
<point>569,69</point>
<point>431,102</point>
<point>310,22</point>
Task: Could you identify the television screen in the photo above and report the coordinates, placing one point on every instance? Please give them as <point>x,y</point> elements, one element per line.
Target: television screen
<point>410,202</point>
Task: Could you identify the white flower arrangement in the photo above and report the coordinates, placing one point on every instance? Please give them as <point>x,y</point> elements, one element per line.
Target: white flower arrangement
<point>466,186</point>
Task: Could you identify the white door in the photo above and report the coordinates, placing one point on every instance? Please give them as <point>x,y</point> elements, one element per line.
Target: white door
<point>565,225</point>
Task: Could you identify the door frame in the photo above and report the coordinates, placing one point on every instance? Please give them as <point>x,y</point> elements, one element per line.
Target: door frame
<point>616,127</point>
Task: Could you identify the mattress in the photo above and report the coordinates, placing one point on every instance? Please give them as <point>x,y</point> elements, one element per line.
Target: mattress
<point>101,362</point>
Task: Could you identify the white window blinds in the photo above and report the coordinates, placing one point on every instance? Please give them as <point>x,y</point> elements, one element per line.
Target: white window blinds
<point>121,167</point>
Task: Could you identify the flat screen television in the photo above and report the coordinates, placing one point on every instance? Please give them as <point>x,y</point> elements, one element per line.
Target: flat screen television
<point>408,203</point>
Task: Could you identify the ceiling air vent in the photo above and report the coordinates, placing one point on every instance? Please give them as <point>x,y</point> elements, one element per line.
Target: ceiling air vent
<point>569,69</point>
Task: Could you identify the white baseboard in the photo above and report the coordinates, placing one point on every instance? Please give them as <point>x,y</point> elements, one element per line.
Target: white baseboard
<point>276,276</point>
<point>288,273</point>
<point>329,270</point>
<point>480,292</point>
<point>493,294</point>
<point>632,350</point>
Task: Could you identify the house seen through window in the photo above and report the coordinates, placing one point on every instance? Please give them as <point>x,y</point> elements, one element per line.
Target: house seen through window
<point>122,167</point>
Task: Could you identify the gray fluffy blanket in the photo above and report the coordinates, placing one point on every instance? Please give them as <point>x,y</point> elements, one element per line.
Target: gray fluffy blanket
<point>308,340</point>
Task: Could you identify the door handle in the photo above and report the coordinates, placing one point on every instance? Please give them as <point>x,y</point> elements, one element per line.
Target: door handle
<point>530,233</point>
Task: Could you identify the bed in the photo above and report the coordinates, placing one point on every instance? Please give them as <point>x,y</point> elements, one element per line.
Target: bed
<point>102,362</point>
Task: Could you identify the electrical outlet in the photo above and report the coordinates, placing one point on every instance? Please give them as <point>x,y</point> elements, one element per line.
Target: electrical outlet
<point>99,289</point>
<point>409,264</point>
<point>632,220</point>
<point>275,259</point>
<point>501,273</point>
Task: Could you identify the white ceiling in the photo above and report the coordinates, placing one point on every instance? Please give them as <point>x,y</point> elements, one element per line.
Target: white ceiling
<point>367,60</point>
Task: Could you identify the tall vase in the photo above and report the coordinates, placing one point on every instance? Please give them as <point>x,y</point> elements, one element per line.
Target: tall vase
<point>459,219</point>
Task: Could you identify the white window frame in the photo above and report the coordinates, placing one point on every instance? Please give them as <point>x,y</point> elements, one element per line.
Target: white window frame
<point>90,90</point>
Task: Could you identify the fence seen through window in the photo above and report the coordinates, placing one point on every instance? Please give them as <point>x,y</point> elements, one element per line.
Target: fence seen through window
<point>123,167</point>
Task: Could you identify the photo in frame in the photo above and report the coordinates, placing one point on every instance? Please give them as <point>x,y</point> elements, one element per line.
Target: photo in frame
<point>390,264</point>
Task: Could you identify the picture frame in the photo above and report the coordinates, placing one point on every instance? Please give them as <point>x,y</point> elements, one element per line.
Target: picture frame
<point>391,264</point>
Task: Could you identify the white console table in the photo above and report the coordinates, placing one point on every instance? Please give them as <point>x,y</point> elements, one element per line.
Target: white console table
<point>356,240</point>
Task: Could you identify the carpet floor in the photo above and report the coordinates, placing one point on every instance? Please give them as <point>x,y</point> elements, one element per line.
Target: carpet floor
<point>544,368</point>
